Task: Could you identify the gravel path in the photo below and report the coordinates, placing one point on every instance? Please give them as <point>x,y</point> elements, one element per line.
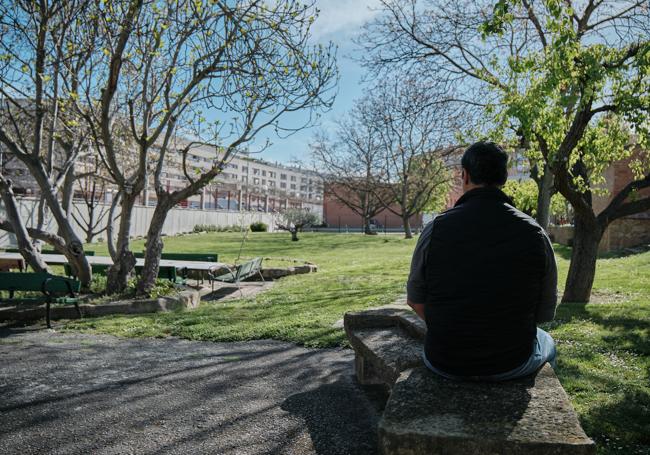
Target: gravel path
<point>66,393</point>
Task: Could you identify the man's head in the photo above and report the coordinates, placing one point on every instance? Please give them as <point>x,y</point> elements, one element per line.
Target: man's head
<point>484,164</point>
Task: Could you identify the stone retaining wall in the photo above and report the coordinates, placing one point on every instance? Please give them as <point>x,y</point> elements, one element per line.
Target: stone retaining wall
<point>183,300</point>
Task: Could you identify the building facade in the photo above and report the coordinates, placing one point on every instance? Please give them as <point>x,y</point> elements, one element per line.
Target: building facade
<point>245,183</point>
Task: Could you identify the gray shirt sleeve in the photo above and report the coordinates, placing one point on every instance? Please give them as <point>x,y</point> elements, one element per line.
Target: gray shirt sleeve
<point>416,286</point>
<point>546,308</point>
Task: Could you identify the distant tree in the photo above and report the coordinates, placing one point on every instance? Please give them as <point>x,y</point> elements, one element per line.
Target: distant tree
<point>295,220</point>
<point>415,127</point>
<point>93,219</point>
<point>351,163</point>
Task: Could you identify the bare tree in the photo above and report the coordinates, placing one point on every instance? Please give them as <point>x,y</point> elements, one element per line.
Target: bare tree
<point>93,219</point>
<point>215,73</point>
<point>415,129</point>
<point>444,41</point>
<point>351,163</point>
<point>36,126</point>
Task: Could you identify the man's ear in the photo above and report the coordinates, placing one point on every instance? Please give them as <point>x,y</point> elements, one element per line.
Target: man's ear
<point>465,176</point>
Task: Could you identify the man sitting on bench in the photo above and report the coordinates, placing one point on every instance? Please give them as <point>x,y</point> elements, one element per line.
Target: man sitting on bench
<point>483,275</point>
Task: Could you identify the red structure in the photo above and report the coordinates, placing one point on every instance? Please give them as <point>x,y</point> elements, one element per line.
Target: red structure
<point>337,214</point>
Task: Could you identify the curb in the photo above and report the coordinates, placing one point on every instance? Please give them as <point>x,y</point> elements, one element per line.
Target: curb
<point>186,299</point>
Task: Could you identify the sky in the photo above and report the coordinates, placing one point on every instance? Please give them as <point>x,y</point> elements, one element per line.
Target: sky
<point>339,21</point>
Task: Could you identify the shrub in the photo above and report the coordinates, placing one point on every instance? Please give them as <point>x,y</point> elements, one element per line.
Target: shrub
<point>258,226</point>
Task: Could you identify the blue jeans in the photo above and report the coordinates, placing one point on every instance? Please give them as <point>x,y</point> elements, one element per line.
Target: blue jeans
<point>543,351</point>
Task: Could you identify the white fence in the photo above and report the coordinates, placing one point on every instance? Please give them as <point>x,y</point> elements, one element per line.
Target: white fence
<point>178,220</point>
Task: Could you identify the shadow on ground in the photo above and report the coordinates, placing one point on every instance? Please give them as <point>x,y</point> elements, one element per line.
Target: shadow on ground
<point>76,393</point>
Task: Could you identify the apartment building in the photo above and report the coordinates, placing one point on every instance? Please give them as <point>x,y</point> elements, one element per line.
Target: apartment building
<point>245,183</point>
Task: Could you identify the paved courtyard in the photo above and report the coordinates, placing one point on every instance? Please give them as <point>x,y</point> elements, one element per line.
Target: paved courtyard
<point>67,393</point>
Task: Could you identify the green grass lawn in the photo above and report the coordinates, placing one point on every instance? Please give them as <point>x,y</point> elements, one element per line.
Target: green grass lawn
<point>603,347</point>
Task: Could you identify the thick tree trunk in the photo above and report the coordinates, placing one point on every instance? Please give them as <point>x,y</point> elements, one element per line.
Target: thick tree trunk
<point>294,234</point>
<point>27,249</point>
<point>407,227</point>
<point>154,247</point>
<point>544,194</point>
<point>74,251</point>
<point>586,237</point>
<point>123,258</point>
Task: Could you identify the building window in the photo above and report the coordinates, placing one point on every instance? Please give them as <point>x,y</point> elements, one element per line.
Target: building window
<point>256,171</point>
<point>263,173</point>
<point>244,168</point>
<point>293,186</point>
<point>263,181</point>
<point>283,176</point>
<point>272,174</point>
<point>244,179</point>
<point>283,185</point>
<point>271,183</point>
<point>256,181</point>
<point>293,178</point>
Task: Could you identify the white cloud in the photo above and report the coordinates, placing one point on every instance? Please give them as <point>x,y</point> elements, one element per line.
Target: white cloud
<point>342,17</point>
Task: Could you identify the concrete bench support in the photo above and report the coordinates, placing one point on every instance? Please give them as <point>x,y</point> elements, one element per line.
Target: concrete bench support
<point>427,414</point>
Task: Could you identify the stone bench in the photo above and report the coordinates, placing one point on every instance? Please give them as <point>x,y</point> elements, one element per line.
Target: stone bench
<point>427,414</point>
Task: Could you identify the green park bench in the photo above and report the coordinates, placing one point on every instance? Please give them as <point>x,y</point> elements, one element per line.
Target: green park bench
<point>55,289</point>
<point>201,257</point>
<point>99,269</point>
<point>166,272</point>
<point>241,272</point>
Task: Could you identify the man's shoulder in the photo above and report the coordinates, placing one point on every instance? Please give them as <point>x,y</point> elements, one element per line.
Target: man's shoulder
<point>525,220</point>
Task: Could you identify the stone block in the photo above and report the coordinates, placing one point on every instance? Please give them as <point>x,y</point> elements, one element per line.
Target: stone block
<point>383,352</point>
<point>427,414</point>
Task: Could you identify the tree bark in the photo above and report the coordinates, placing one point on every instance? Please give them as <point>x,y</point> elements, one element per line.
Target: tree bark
<point>154,246</point>
<point>26,247</point>
<point>544,194</point>
<point>294,234</point>
<point>74,251</point>
<point>407,227</point>
<point>586,237</point>
<point>123,259</point>
<point>110,232</point>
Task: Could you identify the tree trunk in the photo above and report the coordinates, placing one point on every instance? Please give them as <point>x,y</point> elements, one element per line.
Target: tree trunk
<point>586,237</point>
<point>74,251</point>
<point>27,249</point>
<point>366,226</point>
<point>544,194</point>
<point>407,227</point>
<point>154,246</point>
<point>110,232</point>
<point>68,192</point>
<point>123,259</point>
<point>294,234</point>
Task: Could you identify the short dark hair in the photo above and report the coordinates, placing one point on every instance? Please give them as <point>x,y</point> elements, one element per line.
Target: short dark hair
<point>486,163</point>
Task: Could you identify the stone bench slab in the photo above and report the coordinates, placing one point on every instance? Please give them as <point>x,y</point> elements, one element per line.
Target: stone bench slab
<point>427,414</point>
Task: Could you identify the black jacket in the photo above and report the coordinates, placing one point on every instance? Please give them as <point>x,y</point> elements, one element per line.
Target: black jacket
<point>484,270</point>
